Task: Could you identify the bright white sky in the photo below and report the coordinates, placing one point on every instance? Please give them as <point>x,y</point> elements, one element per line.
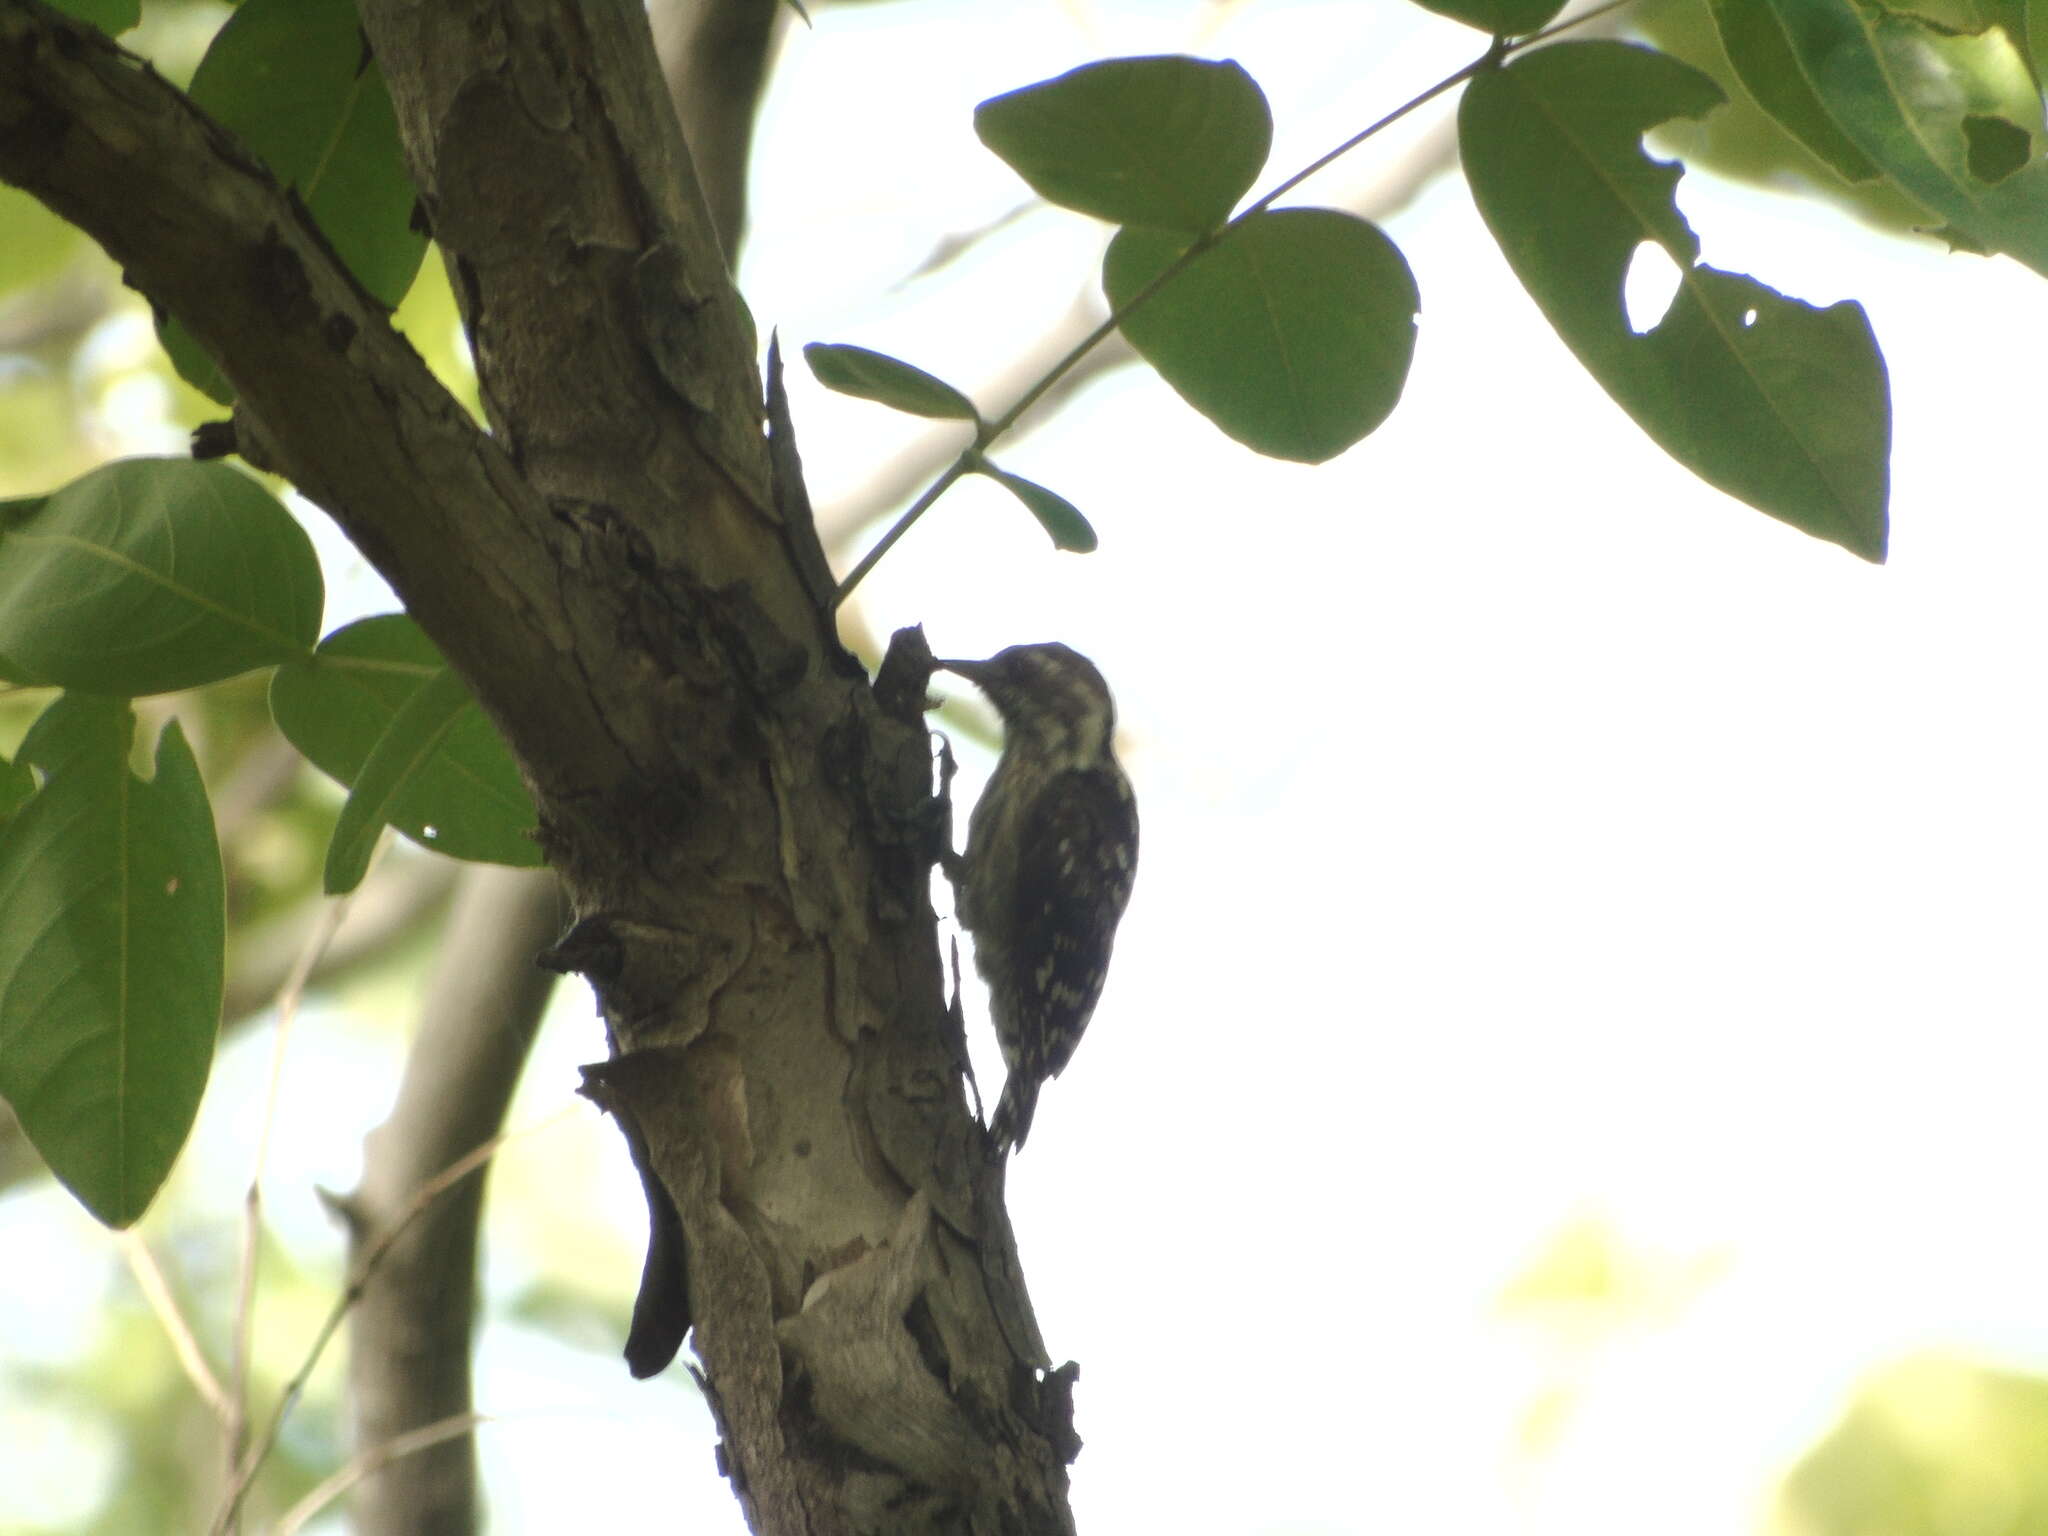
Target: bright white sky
<point>1533,837</point>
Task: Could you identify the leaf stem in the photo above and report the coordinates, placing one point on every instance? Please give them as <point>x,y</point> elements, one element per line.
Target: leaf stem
<point>988,431</point>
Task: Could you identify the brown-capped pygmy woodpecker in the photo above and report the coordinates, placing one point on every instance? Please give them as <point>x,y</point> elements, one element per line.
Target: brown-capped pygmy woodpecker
<point>1052,847</point>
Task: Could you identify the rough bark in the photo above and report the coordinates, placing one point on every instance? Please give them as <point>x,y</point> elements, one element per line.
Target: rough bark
<point>739,822</point>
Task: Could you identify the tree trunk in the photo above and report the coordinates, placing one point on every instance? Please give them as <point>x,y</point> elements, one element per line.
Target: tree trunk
<point>742,823</point>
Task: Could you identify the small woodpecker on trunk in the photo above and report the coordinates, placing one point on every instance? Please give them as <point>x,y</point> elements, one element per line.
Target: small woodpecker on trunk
<point>1051,850</point>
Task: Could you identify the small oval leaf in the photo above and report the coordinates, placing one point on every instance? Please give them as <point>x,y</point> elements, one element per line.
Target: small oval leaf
<point>1059,517</point>
<point>150,575</point>
<point>1293,333</point>
<point>112,930</point>
<point>465,799</point>
<point>1168,142</point>
<point>889,380</point>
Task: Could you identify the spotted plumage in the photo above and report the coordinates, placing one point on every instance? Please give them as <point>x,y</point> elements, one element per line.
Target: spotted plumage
<point>1052,847</point>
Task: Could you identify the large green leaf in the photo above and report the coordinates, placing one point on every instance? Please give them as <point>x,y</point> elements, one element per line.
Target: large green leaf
<point>464,798</point>
<point>1169,142</point>
<point>1763,61</point>
<point>402,754</point>
<point>1293,333</point>
<point>111,933</point>
<point>149,575</point>
<point>1772,400</point>
<point>877,376</point>
<point>1953,118</point>
<point>295,80</point>
<point>1503,18</point>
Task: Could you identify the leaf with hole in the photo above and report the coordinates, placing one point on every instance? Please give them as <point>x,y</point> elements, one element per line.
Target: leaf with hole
<point>464,799</point>
<point>1952,118</point>
<point>150,575</point>
<point>295,81</point>
<point>1167,142</point>
<point>1293,332</point>
<point>1774,401</point>
<point>1060,518</point>
<point>890,381</point>
<point>112,928</point>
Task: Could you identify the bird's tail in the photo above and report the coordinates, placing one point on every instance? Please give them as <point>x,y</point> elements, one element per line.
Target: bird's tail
<point>1014,1111</point>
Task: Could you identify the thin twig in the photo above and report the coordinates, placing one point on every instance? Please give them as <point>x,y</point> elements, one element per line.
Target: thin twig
<point>235,1406</point>
<point>375,1459</point>
<point>428,1192</point>
<point>149,1278</point>
<point>1499,49</point>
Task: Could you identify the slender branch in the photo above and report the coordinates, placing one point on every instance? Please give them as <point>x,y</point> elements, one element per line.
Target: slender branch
<point>1499,49</point>
<point>375,1459</point>
<point>423,1197</point>
<point>235,1418</point>
<point>149,1277</point>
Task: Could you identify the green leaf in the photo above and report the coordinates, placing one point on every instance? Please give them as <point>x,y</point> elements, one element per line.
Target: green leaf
<point>149,575</point>
<point>1762,58</point>
<point>112,17</point>
<point>869,375</point>
<point>405,750</point>
<point>112,926</point>
<point>16,785</point>
<point>1171,143</point>
<point>465,799</point>
<point>1293,333</point>
<point>1503,18</point>
<point>294,79</point>
<point>1953,118</point>
<point>1776,402</point>
<point>1060,518</point>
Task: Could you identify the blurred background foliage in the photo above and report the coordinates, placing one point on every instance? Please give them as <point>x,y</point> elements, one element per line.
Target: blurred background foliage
<point>100,1428</point>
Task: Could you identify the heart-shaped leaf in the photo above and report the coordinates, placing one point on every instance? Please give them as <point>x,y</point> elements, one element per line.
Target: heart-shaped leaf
<point>1293,333</point>
<point>1168,142</point>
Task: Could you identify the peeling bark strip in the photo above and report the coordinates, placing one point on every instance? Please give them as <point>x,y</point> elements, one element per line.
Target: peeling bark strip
<point>617,574</point>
